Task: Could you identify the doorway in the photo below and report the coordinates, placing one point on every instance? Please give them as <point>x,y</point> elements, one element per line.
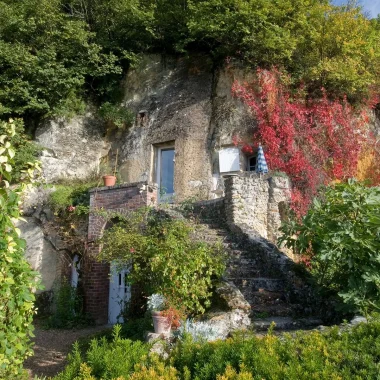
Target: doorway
<point>119,295</point>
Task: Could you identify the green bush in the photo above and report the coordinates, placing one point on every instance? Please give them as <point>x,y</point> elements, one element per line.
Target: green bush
<point>118,115</point>
<point>334,354</point>
<point>17,279</point>
<point>26,151</point>
<point>164,258</point>
<point>106,360</point>
<point>339,237</point>
<point>73,194</point>
<point>308,355</point>
<point>67,307</point>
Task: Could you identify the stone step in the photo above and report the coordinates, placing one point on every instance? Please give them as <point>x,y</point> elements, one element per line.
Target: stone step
<point>266,297</point>
<point>212,223</point>
<point>285,323</point>
<point>280,309</point>
<point>236,271</point>
<point>257,283</point>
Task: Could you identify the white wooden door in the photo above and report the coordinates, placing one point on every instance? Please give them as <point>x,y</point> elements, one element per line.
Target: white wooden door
<point>120,294</point>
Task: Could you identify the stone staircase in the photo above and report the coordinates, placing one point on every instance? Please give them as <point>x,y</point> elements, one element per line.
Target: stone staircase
<point>261,285</point>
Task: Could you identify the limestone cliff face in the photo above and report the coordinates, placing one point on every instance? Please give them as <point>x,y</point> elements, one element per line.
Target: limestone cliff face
<point>71,148</point>
<point>182,102</point>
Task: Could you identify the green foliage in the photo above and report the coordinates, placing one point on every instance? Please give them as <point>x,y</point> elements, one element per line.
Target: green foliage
<point>67,307</point>
<point>106,360</point>
<point>74,194</point>
<point>164,258</point>
<point>45,57</point>
<point>17,280</point>
<point>340,236</point>
<point>350,354</point>
<point>339,50</point>
<point>53,53</point>
<point>118,115</point>
<point>26,151</point>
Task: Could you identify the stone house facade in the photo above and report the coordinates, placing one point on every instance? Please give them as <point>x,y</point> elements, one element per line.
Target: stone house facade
<point>251,203</point>
<point>179,147</point>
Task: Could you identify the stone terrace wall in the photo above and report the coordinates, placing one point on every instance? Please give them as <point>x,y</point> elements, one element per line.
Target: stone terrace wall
<point>122,198</point>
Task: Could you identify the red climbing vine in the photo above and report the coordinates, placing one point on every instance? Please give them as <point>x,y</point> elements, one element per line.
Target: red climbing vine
<point>313,141</point>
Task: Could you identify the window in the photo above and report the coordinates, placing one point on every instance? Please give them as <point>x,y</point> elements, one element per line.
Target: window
<point>251,164</point>
<point>165,159</point>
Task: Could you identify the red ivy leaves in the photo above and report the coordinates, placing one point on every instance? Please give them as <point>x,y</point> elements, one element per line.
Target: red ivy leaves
<point>313,142</point>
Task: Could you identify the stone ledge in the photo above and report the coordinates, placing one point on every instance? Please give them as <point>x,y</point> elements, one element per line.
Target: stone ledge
<point>122,186</point>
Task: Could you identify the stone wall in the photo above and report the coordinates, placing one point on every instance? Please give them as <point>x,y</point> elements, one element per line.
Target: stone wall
<point>254,202</point>
<point>121,198</point>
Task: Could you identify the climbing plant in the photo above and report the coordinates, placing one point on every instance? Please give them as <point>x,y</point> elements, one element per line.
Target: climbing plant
<point>17,279</point>
<point>314,141</point>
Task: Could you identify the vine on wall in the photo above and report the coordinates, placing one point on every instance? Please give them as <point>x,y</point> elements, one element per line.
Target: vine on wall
<point>314,141</point>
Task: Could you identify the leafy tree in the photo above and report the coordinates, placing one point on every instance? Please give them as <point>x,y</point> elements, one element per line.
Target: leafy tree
<point>17,280</point>
<point>339,238</point>
<point>45,58</point>
<point>263,32</point>
<point>339,51</point>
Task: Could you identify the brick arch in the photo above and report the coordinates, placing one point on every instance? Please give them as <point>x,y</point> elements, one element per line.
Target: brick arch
<point>121,198</point>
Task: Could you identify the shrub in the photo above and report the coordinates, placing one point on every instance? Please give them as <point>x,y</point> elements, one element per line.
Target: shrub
<point>17,280</point>
<point>118,115</point>
<point>339,238</point>
<point>335,354</point>
<point>164,258</point>
<point>199,331</point>
<point>106,360</point>
<point>74,194</point>
<point>26,151</point>
<point>67,307</point>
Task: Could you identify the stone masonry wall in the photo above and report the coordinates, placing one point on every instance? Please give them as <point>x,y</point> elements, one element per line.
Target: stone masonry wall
<point>254,203</point>
<point>122,198</point>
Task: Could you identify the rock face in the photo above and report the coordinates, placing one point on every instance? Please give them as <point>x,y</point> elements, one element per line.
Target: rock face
<point>40,253</point>
<point>172,102</point>
<point>71,148</point>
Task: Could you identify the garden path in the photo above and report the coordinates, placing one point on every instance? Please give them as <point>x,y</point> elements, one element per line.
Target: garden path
<point>51,348</point>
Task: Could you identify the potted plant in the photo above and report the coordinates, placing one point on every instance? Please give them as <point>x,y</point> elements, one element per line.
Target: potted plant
<point>161,321</point>
<point>110,180</point>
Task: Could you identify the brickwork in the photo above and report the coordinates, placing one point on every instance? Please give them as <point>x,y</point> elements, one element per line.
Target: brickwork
<point>121,198</point>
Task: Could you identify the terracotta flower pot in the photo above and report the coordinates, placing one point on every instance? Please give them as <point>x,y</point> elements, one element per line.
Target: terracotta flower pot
<point>109,180</point>
<point>162,325</point>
